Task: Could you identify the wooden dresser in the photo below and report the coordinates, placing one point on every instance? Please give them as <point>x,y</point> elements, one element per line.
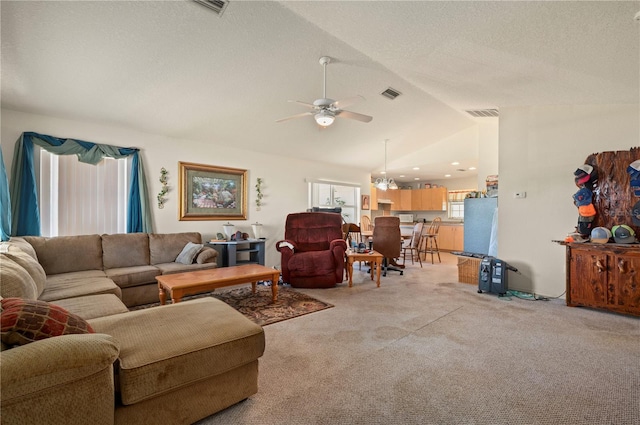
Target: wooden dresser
<point>605,276</point>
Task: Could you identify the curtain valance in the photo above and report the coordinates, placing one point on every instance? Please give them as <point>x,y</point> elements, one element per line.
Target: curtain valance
<point>24,199</point>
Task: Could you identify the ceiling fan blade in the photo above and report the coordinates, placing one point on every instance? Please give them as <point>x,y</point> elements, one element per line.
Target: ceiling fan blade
<point>354,116</point>
<point>343,103</point>
<point>307,104</point>
<point>304,114</point>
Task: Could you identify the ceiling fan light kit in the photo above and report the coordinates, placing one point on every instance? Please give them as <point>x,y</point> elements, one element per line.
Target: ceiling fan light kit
<point>326,110</point>
<point>384,183</point>
<point>324,118</point>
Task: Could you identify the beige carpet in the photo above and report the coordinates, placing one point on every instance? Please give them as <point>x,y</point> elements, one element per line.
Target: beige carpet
<point>423,349</point>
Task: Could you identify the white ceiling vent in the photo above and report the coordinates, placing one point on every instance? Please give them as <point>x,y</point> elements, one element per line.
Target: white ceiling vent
<point>391,93</point>
<point>217,6</point>
<point>483,113</point>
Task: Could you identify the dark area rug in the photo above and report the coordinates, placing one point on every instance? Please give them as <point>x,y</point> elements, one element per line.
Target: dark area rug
<point>259,308</point>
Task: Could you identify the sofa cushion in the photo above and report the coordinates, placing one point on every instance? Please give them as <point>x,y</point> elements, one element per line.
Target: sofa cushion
<point>160,358</point>
<point>169,268</point>
<point>165,247</point>
<point>93,306</point>
<point>24,321</point>
<point>64,254</point>
<point>31,266</point>
<point>61,288</point>
<point>125,250</point>
<point>15,281</point>
<point>133,276</point>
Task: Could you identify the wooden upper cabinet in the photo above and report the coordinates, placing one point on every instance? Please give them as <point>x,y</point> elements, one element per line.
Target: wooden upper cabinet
<point>374,197</point>
<point>394,196</point>
<point>411,200</point>
<point>405,200</point>
<point>433,199</point>
<point>416,200</point>
<point>438,199</point>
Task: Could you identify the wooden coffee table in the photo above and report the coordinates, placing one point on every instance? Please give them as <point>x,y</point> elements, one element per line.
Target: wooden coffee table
<point>181,284</point>
<point>375,258</point>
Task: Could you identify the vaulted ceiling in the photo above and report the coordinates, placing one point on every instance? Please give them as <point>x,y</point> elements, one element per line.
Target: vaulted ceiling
<point>176,68</point>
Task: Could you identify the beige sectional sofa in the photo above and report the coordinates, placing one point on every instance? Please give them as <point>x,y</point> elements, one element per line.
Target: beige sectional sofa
<point>125,265</point>
<point>169,364</point>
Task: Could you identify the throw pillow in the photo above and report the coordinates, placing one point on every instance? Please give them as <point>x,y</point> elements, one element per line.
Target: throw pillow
<point>24,321</point>
<point>205,255</point>
<point>188,253</point>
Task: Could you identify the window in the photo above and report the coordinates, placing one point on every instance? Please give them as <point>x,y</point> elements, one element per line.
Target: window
<point>456,203</point>
<point>78,198</point>
<point>331,195</point>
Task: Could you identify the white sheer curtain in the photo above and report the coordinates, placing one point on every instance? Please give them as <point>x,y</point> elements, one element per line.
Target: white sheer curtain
<point>81,199</point>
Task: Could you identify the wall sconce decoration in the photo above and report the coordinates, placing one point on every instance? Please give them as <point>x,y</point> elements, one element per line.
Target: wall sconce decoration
<point>165,188</point>
<point>259,194</point>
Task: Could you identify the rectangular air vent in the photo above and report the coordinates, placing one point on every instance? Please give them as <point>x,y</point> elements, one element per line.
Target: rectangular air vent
<point>483,113</point>
<point>217,6</point>
<point>391,93</point>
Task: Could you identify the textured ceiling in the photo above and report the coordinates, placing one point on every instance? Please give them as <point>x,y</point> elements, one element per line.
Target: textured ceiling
<point>177,69</point>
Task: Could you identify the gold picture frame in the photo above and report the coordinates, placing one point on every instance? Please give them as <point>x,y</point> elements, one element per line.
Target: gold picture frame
<point>210,192</point>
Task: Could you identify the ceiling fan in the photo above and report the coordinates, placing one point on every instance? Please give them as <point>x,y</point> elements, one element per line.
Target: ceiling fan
<point>325,110</point>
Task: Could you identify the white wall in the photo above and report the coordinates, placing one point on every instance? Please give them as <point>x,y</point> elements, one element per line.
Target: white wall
<point>488,141</point>
<point>540,148</point>
<point>284,188</point>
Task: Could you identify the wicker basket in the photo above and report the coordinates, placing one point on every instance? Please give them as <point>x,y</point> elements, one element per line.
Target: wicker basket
<point>468,269</point>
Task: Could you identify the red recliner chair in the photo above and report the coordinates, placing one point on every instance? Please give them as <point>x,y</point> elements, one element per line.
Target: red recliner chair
<point>312,250</point>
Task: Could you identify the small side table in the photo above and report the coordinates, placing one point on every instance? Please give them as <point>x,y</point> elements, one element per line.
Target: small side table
<point>375,258</point>
<point>229,253</point>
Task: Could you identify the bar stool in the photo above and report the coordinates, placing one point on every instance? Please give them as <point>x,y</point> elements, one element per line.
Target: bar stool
<point>430,244</point>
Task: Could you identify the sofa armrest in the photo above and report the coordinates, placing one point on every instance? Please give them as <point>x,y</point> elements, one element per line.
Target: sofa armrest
<point>48,364</point>
<point>286,245</point>
<point>338,243</point>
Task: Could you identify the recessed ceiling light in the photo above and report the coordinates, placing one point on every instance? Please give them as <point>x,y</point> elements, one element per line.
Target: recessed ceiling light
<point>416,168</point>
<point>383,172</point>
<point>472,168</point>
<point>416,178</point>
<point>447,175</point>
<point>455,163</point>
<point>401,175</point>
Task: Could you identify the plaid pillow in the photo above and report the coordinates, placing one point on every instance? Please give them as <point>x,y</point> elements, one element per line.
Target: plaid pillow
<point>24,321</point>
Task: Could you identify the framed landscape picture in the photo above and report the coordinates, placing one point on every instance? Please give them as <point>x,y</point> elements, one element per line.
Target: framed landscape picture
<point>212,193</point>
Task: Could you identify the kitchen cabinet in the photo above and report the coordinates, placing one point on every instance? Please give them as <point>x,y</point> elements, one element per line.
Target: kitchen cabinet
<point>431,199</point>
<point>374,197</point>
<point>416,200</point>
<point>605,276</point>
<point>451,237</point>
<point>404,203</point>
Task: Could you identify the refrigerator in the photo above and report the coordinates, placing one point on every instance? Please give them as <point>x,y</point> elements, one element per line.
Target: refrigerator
<point>480,226</point>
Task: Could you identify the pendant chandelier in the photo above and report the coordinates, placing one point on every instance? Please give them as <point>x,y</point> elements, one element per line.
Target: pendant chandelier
<point>384,183</point>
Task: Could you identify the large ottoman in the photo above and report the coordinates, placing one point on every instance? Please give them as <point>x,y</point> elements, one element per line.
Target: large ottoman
<point>190,360</point>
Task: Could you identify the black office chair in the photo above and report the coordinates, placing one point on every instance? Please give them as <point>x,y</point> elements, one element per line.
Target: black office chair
<point>387,240</point>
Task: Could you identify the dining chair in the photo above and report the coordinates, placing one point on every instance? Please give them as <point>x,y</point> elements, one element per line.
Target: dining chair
<point>430,244</point>
<point>413,245</point>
